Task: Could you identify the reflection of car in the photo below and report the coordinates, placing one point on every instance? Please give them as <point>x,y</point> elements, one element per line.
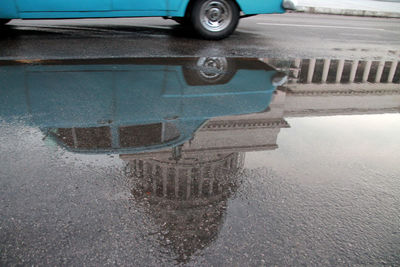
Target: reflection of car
<point>212,19</point>
<point>133,105</point>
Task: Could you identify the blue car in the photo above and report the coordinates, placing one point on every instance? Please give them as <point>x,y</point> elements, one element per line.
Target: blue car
<point>211,19</point>
<point>132,105</point>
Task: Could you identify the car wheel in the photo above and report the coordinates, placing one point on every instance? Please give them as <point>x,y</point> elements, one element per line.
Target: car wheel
<point>4,21</point>
<point>209,70</point>
<point>214,19</point>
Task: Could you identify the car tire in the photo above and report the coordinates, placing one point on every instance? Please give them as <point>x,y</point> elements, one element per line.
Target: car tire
<point>4,21</point>
<point>214,19</point>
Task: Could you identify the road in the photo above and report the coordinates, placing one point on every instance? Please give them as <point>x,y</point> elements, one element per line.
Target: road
<point>108,157</point>
<point>288,35</point>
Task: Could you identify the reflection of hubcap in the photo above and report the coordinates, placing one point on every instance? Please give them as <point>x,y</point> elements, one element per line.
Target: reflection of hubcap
<point>215,15</point>
<point>211,68</point>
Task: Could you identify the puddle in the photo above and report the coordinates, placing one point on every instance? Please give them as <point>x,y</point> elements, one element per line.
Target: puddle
<point>211,160</point>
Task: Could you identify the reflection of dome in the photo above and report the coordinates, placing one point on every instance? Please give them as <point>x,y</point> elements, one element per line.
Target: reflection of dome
<point>186,230</point>
<point>187,198</point>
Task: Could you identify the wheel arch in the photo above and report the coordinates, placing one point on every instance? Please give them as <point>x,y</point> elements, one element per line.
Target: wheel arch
<point>251,7</point>
<point>190,4</point>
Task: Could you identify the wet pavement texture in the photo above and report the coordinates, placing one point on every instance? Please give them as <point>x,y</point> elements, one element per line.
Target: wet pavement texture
<point>200,161</point>
<point>283,36</point>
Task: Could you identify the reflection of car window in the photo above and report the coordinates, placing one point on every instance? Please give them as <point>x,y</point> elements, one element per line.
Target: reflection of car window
<point>140,135</point>
<point>129,136</point>
<point>147,135</point>
<point>94,137</point>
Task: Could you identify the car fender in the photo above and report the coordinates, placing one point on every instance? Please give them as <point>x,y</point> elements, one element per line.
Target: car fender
<point>8,9</point>
<point>260,6</point>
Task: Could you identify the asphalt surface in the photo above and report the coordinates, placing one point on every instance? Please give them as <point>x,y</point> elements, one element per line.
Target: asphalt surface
<point>288,35</point>
<point>302,174</point>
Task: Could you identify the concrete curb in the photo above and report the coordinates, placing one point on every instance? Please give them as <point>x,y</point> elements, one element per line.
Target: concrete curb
<point>347,12</point>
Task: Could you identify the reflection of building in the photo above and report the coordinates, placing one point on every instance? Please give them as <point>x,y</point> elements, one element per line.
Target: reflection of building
<point>187,197</point>
<point>340,87</point>
<point>339,70</point>
<point>239,133</point>
<point>188,188</point>
<point>192,180</point>
<point>318,100</point>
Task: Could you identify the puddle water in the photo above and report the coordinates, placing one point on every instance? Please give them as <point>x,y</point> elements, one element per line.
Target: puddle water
<point>200,161</point>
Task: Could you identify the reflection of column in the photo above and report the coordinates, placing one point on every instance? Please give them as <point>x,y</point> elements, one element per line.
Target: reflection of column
<point>296,70</point>
<point>190,212</point>
<point>311,69</point>
<point>325,71</point>
<point>353,71</point>
<point>379,72</point>
<point>392,71</point>
<point>367,69</point>
<point>339,71</point>
<point>164,182</point>
<point>171,175</point>
<point>189,185</point>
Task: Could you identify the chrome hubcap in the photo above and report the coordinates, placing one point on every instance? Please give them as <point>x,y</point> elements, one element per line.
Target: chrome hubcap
<point>216,15</point>
<point>212,68</point>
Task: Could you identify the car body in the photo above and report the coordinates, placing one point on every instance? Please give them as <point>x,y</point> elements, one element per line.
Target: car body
<point>132,106</point>
<point>203,12</point>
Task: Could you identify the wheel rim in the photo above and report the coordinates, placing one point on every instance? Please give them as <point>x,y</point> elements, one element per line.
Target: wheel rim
<point>212,68</point>
<point>215,15</point>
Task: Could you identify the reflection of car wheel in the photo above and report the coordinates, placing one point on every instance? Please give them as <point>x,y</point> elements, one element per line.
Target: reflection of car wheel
<point>209,70</point>
<point>214,19</point>
<point>4,21</point>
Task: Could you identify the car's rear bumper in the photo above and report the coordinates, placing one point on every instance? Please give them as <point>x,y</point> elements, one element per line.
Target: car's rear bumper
<point>289,4</point>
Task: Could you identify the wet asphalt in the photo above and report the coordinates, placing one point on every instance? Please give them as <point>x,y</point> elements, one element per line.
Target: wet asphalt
<point>283,36</point>
<point>159,154</point>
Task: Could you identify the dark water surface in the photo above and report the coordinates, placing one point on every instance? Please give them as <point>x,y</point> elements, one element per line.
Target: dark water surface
<point>195,161</point>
